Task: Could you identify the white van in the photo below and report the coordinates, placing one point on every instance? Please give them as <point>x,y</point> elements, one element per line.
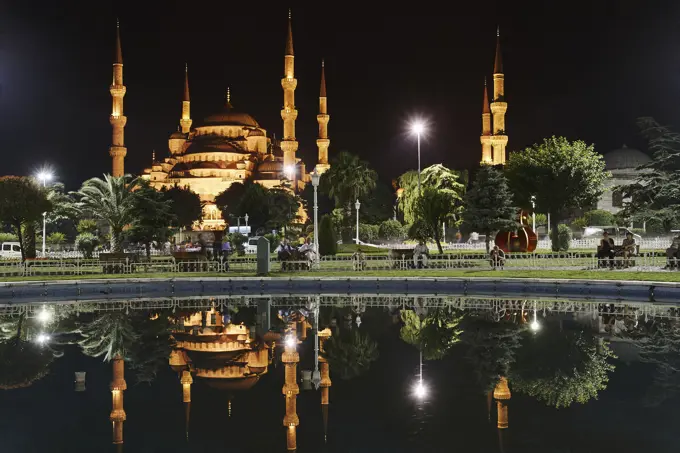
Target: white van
<point>10,250</point>
<point>251,245</point>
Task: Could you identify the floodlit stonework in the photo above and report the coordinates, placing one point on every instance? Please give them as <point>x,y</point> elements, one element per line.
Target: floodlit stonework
<point>494,141</point>
<point>226,147</point>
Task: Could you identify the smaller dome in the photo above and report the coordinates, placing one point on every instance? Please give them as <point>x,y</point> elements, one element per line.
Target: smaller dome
<point>255,133</point>
<point>625,159</point>
<point>270,166</point>
<point>178,135</point>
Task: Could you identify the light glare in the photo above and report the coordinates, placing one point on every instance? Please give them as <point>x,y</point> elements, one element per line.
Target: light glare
<point>419,390</point>
<point>44,316</point>
<point>418,127</point>
<point>291,342</point>
<point>42,338</point>
<point>535,326</point>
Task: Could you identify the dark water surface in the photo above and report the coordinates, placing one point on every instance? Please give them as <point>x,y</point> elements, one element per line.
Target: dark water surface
<point>374,409</point>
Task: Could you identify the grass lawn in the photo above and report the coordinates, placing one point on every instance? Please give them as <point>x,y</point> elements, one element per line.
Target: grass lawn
<point>462,273</point>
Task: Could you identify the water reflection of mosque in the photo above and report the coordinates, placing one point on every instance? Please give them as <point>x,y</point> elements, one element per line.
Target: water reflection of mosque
<point>232,358</point>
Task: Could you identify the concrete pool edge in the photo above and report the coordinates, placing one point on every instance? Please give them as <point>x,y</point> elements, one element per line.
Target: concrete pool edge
<point>176,287</point>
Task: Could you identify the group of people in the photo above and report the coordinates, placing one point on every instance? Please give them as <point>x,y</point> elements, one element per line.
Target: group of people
<point>607,250</point>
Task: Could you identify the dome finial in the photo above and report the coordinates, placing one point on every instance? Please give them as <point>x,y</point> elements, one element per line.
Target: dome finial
<point>229,97</point>
<point>498,31</point>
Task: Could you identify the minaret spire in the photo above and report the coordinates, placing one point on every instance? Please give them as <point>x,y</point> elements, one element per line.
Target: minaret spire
<point>289,144</point>
<point>185,121</point>
<point>498,62</point>
<point>322,118</point>
<point>117,150</point>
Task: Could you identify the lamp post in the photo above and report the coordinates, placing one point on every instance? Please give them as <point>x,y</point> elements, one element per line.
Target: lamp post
<point>418,128</point>
<point>44,176</point>
<point>246,217</point>
<point>533,212</point>
<point>316,177</point>
<point>357,205</point>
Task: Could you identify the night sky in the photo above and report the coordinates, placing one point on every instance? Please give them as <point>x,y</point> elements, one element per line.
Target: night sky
<point>571,69</point>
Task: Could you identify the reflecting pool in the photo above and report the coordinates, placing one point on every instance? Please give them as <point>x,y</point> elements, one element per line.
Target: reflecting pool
<point>340,374</point>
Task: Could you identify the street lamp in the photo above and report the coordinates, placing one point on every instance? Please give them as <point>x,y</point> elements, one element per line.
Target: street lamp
<point>533,212</point>
<point>316,177</point>
<point>246,217</point>
<point>357,205</point>
<point>44,176</point>
<point>417,127</point>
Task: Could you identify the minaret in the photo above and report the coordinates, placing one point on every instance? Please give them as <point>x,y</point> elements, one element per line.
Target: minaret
<point>185,121</point>
<point>117,119</point>
<point>290,359</point>
<point>186,380</point>
<point>323,117</point>
<point>118,386</point>
<point>502,394</point>
<point>289,144</point>
<point>499,106</point>
<point>485,138</point>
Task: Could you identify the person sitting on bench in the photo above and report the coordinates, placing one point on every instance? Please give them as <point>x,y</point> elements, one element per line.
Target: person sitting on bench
<point>605,251</point>
<point>629,248</point>
<point>420,255</point>
<point>497,257</point>
<point>673,252</point>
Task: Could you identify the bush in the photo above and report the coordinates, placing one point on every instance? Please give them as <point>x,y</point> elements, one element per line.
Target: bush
<point>391,230</point>
<point>86,243</point>
<point>237,241</point>
<point>419,230</point>
<point>274,241</point>
<point>579,223</point>
<point>639,231</point>
<point>541,219</point>
<point>8,237</point>
<point>599,217</point>
<point>87,226</point>
<point>563,237</point>
<point>328,240</point>
<point>368,233</point>
<point>56,238</point>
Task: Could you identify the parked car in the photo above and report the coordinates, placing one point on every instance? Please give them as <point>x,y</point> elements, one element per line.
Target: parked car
<point>251,245</point>
<point>10,250</point>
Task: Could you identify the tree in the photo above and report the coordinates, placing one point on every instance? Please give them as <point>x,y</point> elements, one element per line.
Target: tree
<point>22,203</point>
<point>560,368</point>
<point>282,208</point>
<point>111,200</point>
<point>599,217</point>
<point>379,206</point>
<point>488,205</point>
<point>435,176</point>
<point>562,175</point>
<point>348,180</point>
<point>655,194</point>
<point>152,215</point>
<point>350,353</point>
<point>391,230</point>
<point>86,243</point>
<point>662,349</point>
<point>150,353</point>
<point>186,206</point>
<point>328,241</point>
<point>108,334</point>
<point>434,334</point>
<point>434,208</point>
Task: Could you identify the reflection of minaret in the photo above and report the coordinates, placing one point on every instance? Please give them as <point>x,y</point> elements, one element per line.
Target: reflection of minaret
<point>325,380</point>
<point>118,386</point>
<point>186,381</point>
<point>489,400</point>
<point>290,359</point>
<point>502,395</point>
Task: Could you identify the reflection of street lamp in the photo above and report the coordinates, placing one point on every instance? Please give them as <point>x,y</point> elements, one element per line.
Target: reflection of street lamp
<point>42,338</point>
<point>44,316</point>
<point>291,341</point>
<point>535,326</point>
<point>44,176</point>
<point>316,177</point>
<point>418,128</point>
<point>357,205</point>
<point>419,390</point>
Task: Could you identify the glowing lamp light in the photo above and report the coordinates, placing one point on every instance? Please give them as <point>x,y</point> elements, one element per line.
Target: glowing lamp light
<point>535,326</point>
<point>419,390</point>
<point>291,341</point>
<point>44,316</point>
<point>290,171</point>
<point>42,338</point>
<point>417,127</point>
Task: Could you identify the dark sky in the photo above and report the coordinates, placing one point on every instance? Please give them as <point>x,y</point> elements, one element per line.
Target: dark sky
<point>583,70</point>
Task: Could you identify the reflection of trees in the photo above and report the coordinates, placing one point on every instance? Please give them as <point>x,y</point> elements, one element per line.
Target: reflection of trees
<point>562,367</point>
<point>22,362</point>
<point>434,334</point>
<point>350,354</point>
<point>492,349</point>
<point>662,348</point>
<point>141,340</point>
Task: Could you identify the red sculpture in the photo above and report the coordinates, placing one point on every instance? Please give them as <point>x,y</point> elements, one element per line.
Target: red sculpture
<point>522,240</point>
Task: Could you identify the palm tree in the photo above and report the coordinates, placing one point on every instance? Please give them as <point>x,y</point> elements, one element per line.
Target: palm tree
<point>109,199</point>
<point>348,179</point>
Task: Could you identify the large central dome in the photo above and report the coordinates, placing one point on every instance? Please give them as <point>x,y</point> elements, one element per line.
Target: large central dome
<point>230,117</point>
